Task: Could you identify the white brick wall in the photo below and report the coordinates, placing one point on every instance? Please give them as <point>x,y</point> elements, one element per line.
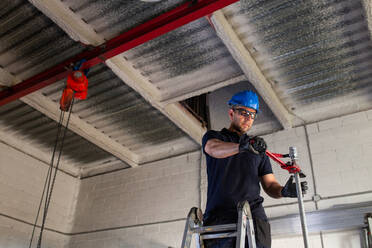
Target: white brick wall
<point>21,183</point>
<point>341,150</point>
<point>280,142</point>
<point>345,239</point>
<point>156,192</point>
<point>156,236</point>
<point>142,207</point>
<point>297,242</point>
<point>14,234</point>
<point>342,155</point>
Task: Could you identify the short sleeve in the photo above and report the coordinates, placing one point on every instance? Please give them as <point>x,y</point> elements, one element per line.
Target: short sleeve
<point>265,166</point>
<point>211,134</point>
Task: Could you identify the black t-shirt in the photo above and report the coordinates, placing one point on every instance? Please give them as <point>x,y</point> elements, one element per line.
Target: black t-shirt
<point>234,179</point>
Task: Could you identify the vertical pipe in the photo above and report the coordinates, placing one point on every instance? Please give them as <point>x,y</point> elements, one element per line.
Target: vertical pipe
<point>293,156</point>
<point>302,210</point>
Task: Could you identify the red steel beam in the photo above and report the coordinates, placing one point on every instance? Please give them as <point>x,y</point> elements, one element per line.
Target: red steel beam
<point>160,25</point>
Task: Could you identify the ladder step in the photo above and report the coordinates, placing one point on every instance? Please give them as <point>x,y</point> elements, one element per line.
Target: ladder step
<point>219,235</point>
<point>217,228</point>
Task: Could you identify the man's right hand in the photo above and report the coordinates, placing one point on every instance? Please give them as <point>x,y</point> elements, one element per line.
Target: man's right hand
<point>255,144</point>
<point>290,190</point>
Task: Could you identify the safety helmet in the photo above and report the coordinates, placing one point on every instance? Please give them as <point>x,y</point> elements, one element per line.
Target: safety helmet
<point>245,98</point>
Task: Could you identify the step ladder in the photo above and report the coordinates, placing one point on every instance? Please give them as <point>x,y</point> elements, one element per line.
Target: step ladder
<point>194,225</point>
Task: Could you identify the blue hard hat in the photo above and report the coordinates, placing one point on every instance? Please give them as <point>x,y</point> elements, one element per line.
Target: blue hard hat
<point>245,98</point>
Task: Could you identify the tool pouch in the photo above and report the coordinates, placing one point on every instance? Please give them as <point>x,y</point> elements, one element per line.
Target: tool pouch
<point>263,232</point>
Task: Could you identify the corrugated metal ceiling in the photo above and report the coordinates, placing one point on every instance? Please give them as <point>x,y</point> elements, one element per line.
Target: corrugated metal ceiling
<point>110,18</point>
<point>31,43</point>
<point>312,52</point>
<point>33,128</point>
<point>316,54</point>
<point>179,62</point>
<point>121,113</point>
<point>185,60</point>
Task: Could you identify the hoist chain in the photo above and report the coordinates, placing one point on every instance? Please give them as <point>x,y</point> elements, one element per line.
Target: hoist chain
<point>49,182</point>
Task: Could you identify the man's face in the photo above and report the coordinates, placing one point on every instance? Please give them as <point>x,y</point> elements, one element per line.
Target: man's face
<point>241,119</point>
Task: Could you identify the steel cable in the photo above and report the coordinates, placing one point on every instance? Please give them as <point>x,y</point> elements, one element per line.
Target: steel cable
<point>49,183</point>
<point>47,180</point>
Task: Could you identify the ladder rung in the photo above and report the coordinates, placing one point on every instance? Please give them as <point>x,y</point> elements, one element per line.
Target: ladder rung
<point>219,235</point>
<point>217,228</point>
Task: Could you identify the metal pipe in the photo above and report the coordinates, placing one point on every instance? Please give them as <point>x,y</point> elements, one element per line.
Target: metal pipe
<point>147,31</point>
<point>302,210</point>
<point>293,156</point>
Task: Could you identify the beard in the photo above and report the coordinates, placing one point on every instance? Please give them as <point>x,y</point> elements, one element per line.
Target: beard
<point>237,128</point>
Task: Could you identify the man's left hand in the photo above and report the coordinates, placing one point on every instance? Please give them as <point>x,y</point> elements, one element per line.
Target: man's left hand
<point>255,144</point>
<point>259,144</point>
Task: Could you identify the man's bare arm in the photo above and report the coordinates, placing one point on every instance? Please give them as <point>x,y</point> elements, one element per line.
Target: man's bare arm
<point>271,186</point>
<point>221,149</point>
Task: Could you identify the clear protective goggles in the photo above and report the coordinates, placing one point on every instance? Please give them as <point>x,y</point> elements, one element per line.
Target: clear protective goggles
<point>245,113</point>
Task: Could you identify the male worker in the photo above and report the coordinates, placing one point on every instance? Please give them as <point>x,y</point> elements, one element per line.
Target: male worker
<point>236,164</point>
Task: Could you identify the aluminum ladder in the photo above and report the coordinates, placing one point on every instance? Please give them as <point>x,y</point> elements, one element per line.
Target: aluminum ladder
<point>194,225</point>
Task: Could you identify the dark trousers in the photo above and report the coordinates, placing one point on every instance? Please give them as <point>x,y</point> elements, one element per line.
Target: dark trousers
<point>262,231</point>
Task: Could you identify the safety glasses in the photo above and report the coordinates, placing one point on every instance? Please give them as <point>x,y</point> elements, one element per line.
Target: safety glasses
<point>245,113</point>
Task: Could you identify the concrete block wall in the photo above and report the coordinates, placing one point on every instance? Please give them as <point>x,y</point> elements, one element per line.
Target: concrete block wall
<point>21,184</point>
<point>342,155</point>
<point>146,206</point>
<point>15,234</point>
<point>138,207</point>
<point>345,239</point>
<point>280,142</point>
<point>337,154</point>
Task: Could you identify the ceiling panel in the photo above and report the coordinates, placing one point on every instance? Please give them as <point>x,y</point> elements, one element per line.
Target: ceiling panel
<point>110,18</point>
<point>122,114</point>
<point>187,59</point>
<point>316,54</point>
<point>30,43</point>
<point>29,126</point>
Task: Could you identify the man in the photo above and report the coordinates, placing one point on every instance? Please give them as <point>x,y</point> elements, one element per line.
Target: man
<point>236,164</point>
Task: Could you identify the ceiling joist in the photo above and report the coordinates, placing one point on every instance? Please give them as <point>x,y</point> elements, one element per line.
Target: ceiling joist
<point>174,111</point>
<point>51,109</point>
<point>250,68</point>
<point>367,4</point>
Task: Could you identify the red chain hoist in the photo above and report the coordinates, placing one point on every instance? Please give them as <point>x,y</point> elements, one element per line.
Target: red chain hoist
<point>76,87</point>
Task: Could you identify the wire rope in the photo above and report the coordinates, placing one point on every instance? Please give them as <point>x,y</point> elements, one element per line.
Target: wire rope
<point>49,182</point>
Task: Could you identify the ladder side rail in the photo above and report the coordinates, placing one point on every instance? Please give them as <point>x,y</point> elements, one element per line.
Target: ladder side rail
<point>190,223</point>
<point>246,210</point>
<point>241,226</point>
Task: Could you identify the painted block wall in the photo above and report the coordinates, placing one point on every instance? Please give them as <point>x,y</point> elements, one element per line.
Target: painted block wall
<point>145,207</point>
<point>21,184</point>
<point>345,239</point>
<point>139,207</point>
